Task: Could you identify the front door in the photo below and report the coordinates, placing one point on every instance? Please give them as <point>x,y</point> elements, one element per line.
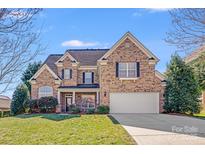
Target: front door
<point>68,101</point>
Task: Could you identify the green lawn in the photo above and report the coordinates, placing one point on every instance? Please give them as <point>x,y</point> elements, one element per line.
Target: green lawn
<point>62,129</point>
<point>200,115</point>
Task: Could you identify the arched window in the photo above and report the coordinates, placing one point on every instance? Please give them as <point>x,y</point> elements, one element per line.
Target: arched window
<point>45,91</point>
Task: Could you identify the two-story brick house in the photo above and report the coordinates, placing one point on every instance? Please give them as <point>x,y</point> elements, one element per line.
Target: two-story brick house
<point>123,77</point>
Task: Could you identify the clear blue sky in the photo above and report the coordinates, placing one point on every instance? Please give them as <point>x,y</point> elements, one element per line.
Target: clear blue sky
<point>101,28</point>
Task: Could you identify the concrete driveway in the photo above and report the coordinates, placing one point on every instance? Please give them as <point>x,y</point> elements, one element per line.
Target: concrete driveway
<point>163,129</point>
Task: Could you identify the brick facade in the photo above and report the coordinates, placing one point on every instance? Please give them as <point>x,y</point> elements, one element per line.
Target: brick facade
<point>67,64</point>
<point>105,75</point>
<point>80,75</point>
<point>147,82</point>
<point>44,79</point>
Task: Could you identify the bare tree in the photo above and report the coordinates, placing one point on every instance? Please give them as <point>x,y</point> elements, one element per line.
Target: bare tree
<point>19,43</point>
<point>188,29</point>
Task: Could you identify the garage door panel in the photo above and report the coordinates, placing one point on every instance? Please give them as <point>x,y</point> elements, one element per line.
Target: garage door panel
<point>134,102</point>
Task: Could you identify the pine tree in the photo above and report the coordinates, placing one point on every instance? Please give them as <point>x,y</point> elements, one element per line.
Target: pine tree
<point>19,97</point>
<point>29,72</point>
<point>199,69</point>
<point>182,90</point>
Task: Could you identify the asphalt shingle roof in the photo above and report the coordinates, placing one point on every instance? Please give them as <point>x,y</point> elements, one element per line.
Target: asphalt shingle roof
<point>50,61</point>
<point>86,57</point>
<point>82,86</point>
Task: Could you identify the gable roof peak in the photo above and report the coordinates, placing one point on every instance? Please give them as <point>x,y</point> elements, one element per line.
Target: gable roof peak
<point>128,33</point>
<point>136,41</point>
<point>41,69</point>
<point>66,54</point>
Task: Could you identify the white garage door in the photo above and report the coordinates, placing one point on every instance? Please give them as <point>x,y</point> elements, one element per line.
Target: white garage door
<point>146,102</point>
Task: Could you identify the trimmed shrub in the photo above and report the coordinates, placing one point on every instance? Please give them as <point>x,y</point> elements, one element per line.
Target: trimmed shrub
<point>33,105</point>
<point>103,109</point>
<point>75,110</point>
<point>47,104</point>
<point>5,114</point>
<point>72,106</point>
<point>90,111</point>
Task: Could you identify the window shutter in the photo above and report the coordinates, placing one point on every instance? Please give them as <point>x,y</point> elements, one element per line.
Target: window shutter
<point>62,74</point>
<point>138,69</point>
<point>70,73</point>
<point>92,77</point>
<point>117,70</point>
<point>83,77</point>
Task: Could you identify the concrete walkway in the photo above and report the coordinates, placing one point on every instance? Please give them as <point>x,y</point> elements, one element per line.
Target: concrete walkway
<point>163,129</point>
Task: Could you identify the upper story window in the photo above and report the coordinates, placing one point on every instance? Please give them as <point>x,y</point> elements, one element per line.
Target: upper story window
<point>128,70</point>
<point>67,74</point>
<point>88,77</point>
<point>45,91</point>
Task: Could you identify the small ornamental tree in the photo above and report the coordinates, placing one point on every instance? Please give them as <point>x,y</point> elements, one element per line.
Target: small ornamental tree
<point>20,96</point>
<point>182,90</point>
<point>48,104</point>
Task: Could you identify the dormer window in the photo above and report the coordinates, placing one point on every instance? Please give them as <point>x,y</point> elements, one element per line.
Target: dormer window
<point>67,74</point>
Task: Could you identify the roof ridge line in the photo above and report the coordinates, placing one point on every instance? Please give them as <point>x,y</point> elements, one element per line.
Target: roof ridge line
<point>88,49</point>
<point>55,54</point>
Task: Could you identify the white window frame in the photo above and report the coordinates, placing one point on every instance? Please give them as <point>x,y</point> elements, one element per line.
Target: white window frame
<point>88,78</point>
<point>127,69</point>
<point>67,76</point>
<point>45,91</point>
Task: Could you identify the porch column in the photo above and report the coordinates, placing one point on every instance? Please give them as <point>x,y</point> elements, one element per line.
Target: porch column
<point>58,109</point>
<point>97,98</point>
<point>59,98</point>
<point>74,97</point>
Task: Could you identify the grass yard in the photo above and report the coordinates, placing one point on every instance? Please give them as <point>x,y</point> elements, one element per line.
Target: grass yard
<point>62,129</point>
<point>200,115</point>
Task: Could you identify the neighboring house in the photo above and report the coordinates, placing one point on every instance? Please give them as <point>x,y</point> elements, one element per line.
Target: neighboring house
<point>189,59</point>
<point>123,77</point>
<point>195,54</point>
<point>5,103</point>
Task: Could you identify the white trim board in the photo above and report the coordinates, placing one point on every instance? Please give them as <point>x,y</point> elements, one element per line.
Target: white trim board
<point>87,67</point>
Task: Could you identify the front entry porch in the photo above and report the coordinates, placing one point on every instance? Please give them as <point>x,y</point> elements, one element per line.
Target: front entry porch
<point>83,99</point>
